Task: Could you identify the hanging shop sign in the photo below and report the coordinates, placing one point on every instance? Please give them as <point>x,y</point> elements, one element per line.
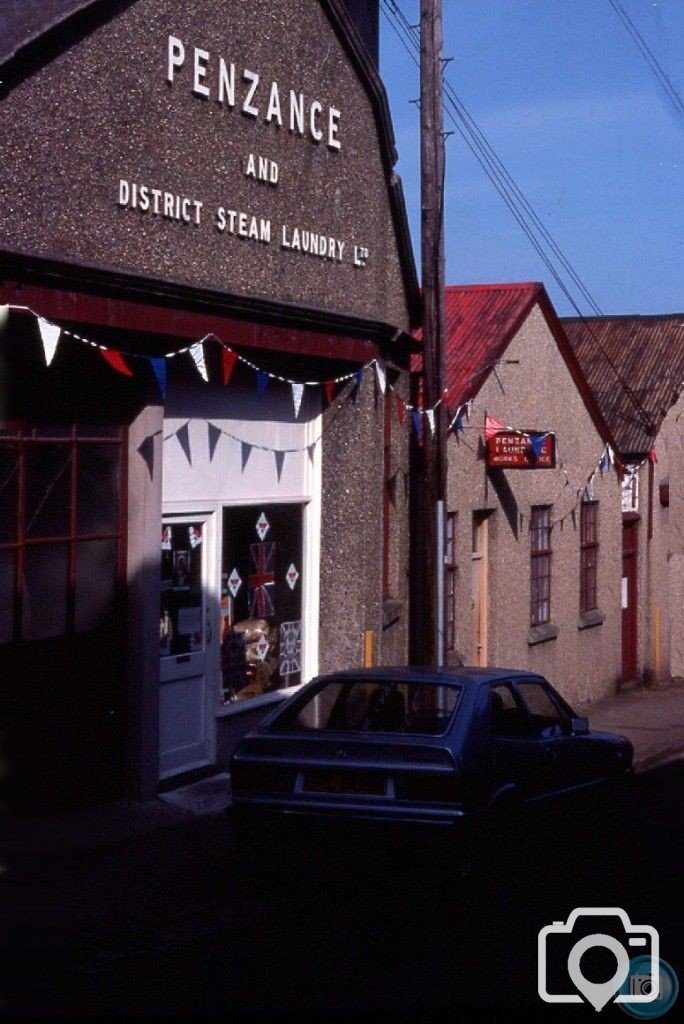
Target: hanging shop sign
<point>521,449</point>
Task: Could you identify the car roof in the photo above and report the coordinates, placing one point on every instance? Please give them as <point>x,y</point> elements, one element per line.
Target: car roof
<point>463,676</point>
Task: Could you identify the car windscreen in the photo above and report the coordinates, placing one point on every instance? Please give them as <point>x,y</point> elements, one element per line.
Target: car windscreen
<point>363,705</point>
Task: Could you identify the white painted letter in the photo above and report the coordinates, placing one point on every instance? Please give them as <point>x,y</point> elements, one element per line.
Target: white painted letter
<point>124,192</point>
<point>316,132</point>
<point>333,126</point>
<point>226,89</point>
<point>250,172</point>
<point>201,58</point>
<point>176,57</point>
<point>274,105</point>
<point>247,108</point>
<point>297,112</point>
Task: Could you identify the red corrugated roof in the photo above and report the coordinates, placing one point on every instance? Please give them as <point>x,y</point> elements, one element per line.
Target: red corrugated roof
<point>635,368</point>
<point>480,320</point>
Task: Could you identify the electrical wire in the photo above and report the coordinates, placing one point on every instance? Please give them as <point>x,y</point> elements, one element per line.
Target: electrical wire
<point>511,194</point>
<point>649,57</point>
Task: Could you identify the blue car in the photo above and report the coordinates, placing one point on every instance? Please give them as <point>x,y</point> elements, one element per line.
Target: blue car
<point>422,745</point>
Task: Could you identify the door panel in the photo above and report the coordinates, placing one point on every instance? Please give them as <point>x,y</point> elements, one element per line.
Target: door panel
<point>185,672</point>
<point>630,536</point>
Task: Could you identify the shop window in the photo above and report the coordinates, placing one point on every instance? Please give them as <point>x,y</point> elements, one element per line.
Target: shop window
<point>61,529</point>
<point>589,550</point>
<point>450,581</point>
<point>261,602</point>
<point>540,565</point>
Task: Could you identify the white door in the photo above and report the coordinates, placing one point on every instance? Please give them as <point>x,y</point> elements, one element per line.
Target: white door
<point>186,638</point>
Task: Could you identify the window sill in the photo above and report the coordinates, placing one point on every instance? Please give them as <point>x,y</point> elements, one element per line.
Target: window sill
<point>540,634</point>
<point>250,703</point>
<point>590,619</point>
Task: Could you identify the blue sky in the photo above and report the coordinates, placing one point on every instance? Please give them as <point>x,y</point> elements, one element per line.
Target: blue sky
<point>582,124</point>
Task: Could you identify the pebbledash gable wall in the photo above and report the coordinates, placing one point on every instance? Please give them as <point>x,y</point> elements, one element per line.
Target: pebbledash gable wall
<point>138,156</point>
<point>352,534</point>
<point>537,392</point>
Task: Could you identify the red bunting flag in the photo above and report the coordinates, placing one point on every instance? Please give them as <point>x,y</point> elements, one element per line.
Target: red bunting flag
<point>116,361</point>
<point>228,361</point>
<point>492,426</point>
<point>329,387</point>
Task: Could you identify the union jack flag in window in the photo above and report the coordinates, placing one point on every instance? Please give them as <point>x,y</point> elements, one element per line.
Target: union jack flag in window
<point>261,581</point>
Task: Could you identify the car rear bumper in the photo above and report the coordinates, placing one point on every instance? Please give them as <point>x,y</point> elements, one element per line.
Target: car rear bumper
<point>343,808</point>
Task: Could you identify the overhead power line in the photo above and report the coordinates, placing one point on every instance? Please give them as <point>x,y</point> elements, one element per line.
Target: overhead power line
<point>538,235</point>
<point>649,57</point>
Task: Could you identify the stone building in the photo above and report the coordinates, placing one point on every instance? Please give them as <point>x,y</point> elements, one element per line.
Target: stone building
<point>532,555</point>
<point>208,292</point>
<point>635,368</point>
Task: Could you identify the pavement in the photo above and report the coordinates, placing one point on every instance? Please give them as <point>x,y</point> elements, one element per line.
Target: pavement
<point>651,717</point>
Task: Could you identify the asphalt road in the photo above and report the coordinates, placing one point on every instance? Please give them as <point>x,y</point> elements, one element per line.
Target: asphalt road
<point>197,920</point>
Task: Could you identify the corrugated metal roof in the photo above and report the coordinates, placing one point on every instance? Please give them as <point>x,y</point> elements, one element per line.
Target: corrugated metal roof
<point>479,322</point>
<point>635,368</point>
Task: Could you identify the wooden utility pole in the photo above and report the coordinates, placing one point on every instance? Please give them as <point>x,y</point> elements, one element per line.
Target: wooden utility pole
<point>429,647</point>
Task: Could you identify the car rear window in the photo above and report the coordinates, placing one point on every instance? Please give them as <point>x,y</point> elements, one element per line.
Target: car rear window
<point>375,706</point>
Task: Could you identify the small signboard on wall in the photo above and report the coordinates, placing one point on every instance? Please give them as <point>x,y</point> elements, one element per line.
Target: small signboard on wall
<point>521,449</point>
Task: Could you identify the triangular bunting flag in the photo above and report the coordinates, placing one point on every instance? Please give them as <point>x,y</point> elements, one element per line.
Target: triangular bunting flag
<point>50,335</point>
<point>4,315</point>
<point>417,424</point>
<point>458,424</point>
<point>183,435</point>
<point>158,364</point>
<point>146,452</point>
<point>492,426</point>
<point>652,457</point>
<point>213,436</point>
<point>537,444</point>
<point>262,381</point>
<point>312,451</point>
<point>329,389</point>
<point>280,462</point>
<point>358,377</point>
<point>116,361</point>
<point>382,378</point>
<point>228,361</point>
<point>297,392</point>
<point>245,452</point>
<point>197,353</point>
<point>430,413</point>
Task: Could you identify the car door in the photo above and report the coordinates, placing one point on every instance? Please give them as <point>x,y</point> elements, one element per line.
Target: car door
<point>519,759</point>
<point>568,759</point>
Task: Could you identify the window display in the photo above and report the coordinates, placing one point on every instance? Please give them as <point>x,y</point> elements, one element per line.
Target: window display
<point>261,605</point>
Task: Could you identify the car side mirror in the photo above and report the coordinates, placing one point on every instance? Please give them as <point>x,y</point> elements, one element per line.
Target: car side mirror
<point>580,726</point>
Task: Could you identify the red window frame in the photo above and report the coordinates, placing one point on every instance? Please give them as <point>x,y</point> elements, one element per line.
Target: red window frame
<point>540,565</point>
<point>589,553</point>
<point>24,439</point>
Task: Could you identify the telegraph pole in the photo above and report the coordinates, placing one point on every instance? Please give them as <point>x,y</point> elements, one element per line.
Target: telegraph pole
<point>430,642</point>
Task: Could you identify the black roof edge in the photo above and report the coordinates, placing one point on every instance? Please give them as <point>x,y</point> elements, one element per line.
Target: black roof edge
<point>110,282</point>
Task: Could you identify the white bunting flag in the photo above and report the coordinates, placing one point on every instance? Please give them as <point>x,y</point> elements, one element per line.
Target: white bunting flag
<point>50,334</point>
<point>297,392</point>
<point>382,381</point>
<point>197,353</point>
<point>430,413</point>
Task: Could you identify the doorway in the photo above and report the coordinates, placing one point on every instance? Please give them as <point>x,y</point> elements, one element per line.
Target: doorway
<point>630,626</point>
<point>188,659</point>
<point>480,573</point>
